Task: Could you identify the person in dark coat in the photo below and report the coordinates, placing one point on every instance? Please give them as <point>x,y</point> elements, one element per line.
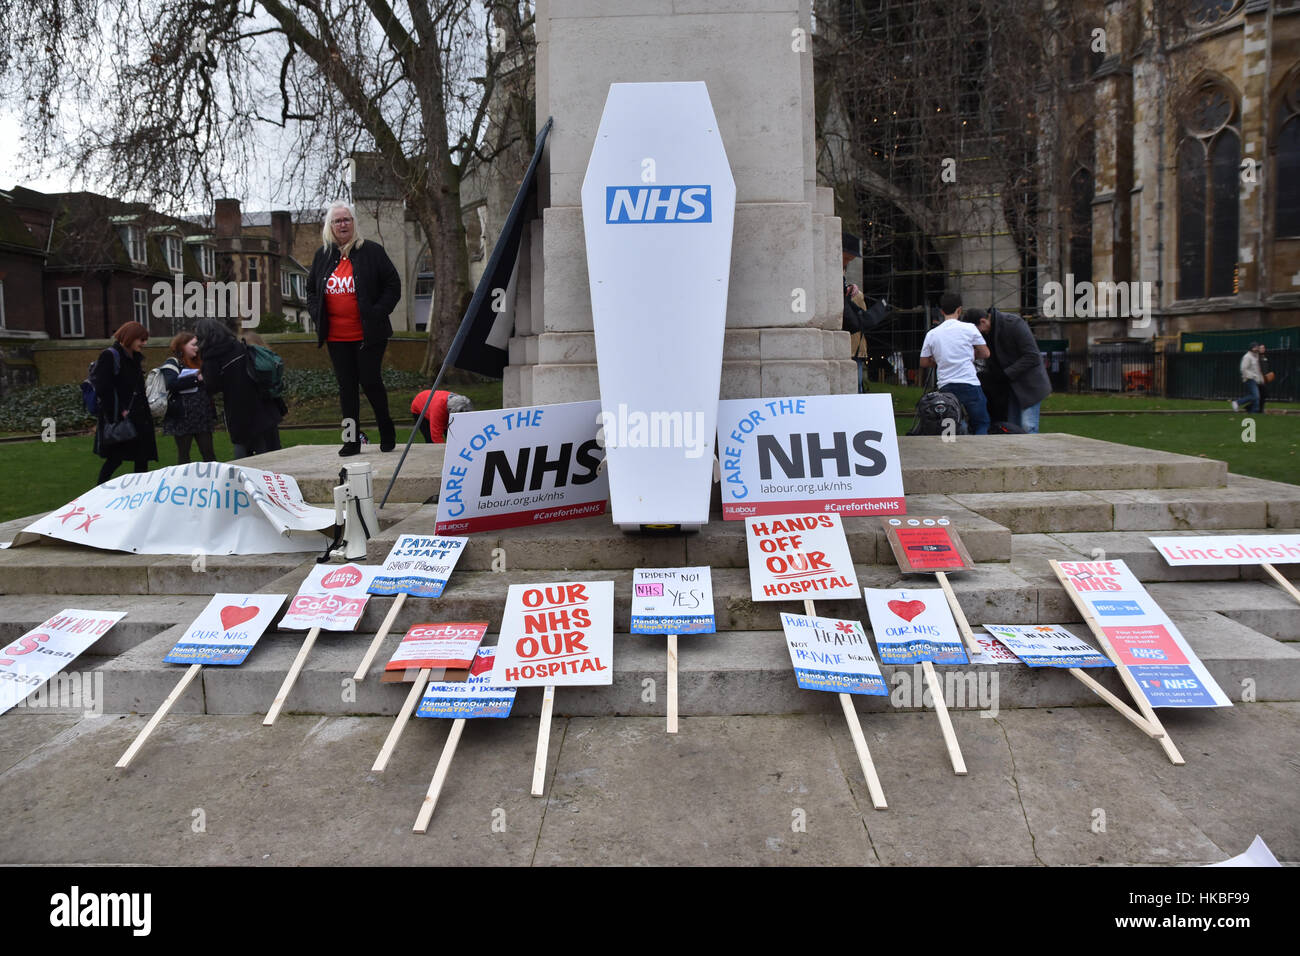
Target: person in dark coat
<point>253,419</point>
<point>351,289</point>
<point>191,415</point>
<point>118,378</point>
<point>1014,355</point>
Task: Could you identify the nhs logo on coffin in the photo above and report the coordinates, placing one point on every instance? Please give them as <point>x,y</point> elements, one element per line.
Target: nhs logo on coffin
<point>626,204</point>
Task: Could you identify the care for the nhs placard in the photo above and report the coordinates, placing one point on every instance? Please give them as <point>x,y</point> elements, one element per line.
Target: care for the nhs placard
<point>1145,639</point>
<point>832,655</point>
<point>821,453</point>
<point>477,696</point>
<point>226,630</point>
<point>561,634</point>
<point>418,565</point>
<point>521,466</point>
<point>913,625</point>
<point>799,556</point>
<point>672,601</point>
<point>43,651</point>
<point>1047,645</point>
<point>332,598</point>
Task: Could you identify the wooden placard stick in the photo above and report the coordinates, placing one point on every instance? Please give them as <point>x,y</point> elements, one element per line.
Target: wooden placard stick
<point>945,722</point>
<point>1124,709</point>
<point>1287,586</point>
<point>672,683</point>
<point>859,738</point>
<point>972,647</point>
<point>291,677</point>
<point>191,672</point>
<point>382,633</point>
<point>1125,674</point>
<point>439,776</point>
<point>404,715</point>
<point>543,741</point>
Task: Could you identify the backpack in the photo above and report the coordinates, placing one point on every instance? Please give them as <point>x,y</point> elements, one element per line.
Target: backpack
<point>88,397</point>
<point>1005,428</point>
<point>155,392</point>
<point>934,410</point>
<point>266,369</point>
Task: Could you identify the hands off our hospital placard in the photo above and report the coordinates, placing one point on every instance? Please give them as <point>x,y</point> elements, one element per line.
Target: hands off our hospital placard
<point>792,557</point>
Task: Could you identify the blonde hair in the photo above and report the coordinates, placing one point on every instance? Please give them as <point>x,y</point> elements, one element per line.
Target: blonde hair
<point>327,234</point>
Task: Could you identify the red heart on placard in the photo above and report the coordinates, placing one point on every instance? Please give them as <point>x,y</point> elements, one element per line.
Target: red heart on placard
<point>232,616</point>
<point>907,610</point>
<point>344,577</point>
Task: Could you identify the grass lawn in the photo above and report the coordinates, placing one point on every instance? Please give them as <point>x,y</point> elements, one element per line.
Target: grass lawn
<point>40,476</point>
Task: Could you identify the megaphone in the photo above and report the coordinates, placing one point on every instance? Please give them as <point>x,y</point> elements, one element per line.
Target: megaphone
<point>354,513</point>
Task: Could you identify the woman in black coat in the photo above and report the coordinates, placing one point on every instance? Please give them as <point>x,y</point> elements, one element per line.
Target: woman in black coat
<point>252,418</point>
<point>352,288</point>
<point>118,377</point>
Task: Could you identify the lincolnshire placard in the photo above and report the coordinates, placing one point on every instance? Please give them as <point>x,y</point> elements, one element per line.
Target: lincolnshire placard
<point>332,598</point>
<point>557,634</point>
<point>833,655</point>
<point>226,630</point>
<point>418,565</point>
<point>1048,645</point>
<point>823,453</point>
<point>1182,552</point>
<point>43,651</point>
<point>1146,640</point>
<point>926,544</point>
<point>911,626</point>
<point>450,645</point>
<point>672,601</point>
<point>521,466</point>
<point>478,696</point>
<point>799,556</point>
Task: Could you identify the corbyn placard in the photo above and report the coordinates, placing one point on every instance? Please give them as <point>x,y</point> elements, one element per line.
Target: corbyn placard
<point>332,598</point>
<point>43,651</point>
<point>451,645</point>
<point>225,632</point>
<point>832,655</point>
<point>912,626</point>
<point>557,634</point>
<point>836,453</point>
<point>418,565</point>
<point>799,556</point>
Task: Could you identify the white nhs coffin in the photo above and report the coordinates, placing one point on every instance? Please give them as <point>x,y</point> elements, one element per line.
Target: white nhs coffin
<point>658,203</point>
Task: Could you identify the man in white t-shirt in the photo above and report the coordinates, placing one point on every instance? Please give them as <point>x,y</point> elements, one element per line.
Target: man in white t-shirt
<point>952,347</point>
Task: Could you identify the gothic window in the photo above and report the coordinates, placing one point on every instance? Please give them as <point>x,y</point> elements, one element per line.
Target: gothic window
<point>1209,160</point>
<point>1285,192</point>
<point>1208,13</point>
<point>1082,189</point>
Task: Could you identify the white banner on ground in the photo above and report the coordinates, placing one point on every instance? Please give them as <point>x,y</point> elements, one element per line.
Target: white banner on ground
<point>1146,640</point>
<point>557,634</point>
<point>672,601</point>
<point>915,625</point>
<point>477,696</point>
<point>799,556</point>
<point>418,565</point>
<point>202,508</point>
<point>332,598</point>
<point>226,630</point>
<point>821,453</point>
<point>832,655</point>
<point>46,649</point>
<point>1048,645</point>
<point>1181,552</point>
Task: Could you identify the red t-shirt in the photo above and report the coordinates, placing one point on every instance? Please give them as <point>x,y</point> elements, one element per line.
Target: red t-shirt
<point>341,308</point>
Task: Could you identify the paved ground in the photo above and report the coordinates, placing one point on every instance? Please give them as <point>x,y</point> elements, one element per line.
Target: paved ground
<point>1047,786</point>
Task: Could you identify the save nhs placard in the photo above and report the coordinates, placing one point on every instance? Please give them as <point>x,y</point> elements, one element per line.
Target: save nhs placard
<point>1144,638</point>
<point>520,466</point>
<point>819,453</point>
<point>658,203</point>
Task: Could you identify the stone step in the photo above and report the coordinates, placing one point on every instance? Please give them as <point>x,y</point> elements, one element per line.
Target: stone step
<point>735,672</point>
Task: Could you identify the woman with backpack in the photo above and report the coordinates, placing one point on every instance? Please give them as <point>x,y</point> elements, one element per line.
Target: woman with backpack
<point>124,431</point>
<point>191,415</point>
<point>252,417</point>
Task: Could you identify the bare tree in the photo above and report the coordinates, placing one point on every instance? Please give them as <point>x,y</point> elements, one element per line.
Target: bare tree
<point>175,102</point>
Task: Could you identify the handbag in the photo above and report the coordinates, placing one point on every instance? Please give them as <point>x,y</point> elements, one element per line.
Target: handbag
<point>120,429</point>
